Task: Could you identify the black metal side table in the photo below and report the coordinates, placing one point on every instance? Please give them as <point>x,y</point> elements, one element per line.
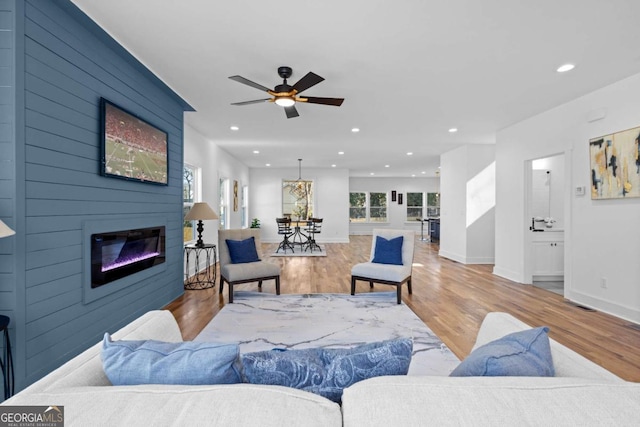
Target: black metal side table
<point>7,360</point>
<point>206,278</point>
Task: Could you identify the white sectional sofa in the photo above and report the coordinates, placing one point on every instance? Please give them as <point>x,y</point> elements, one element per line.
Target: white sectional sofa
<point>582,393</point>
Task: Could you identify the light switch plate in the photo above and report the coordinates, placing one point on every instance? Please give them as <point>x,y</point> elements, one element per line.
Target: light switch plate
<point>580,191</point>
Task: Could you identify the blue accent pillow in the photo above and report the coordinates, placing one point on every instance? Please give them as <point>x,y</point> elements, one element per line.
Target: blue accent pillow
<point>327,371</point>
<point>157,362</point>
<point>242,251</point>
<point>521,354</point>
<point>388,251</point>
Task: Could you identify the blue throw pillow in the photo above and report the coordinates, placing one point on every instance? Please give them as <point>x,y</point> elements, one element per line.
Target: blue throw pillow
<point>242,251</point>
<point>521,354</point>
<point>157,362</point>
<point>328,371</point>
<point>388,251</point>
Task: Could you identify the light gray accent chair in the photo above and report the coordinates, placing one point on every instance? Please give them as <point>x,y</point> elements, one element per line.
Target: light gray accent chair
<point>235,274</point>
<point>387,274</point>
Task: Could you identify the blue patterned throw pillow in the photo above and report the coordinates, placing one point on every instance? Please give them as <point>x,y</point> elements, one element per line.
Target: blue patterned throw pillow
<point>242,251</point>
<point>157,362</point>
<point>328,371</point>
<point>520,354</point>
<point>388,251</point>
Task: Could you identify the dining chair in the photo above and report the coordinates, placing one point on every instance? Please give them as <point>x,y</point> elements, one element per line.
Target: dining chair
<point>284,229</point>
<point>314,226</point>
<point>240,261</point>
<point>390,262</point>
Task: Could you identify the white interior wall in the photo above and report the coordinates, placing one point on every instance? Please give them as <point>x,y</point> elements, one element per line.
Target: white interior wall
<point>453,204</point>
<point>397,214</point>
<point>331,201</point>
<point>602,237</point>
<point>467,223</point>
<point>214,163</point>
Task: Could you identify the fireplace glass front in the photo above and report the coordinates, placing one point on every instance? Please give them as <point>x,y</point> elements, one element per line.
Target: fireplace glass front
<point>118,254</point>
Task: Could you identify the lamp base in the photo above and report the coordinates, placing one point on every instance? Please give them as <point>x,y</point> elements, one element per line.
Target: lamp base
<point>200,228</point>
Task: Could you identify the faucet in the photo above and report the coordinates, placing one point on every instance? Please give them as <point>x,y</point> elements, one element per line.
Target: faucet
<point>533,225</point>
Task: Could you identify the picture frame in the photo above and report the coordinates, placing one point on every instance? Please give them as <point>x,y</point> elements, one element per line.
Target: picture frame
<point>399,198</point>
<point>393,195</point>
<point>615,165</point>
<point>235,196</point>
<point>131,148</point>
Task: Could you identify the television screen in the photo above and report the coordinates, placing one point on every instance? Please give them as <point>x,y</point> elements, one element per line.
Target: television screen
<point>132,148</point>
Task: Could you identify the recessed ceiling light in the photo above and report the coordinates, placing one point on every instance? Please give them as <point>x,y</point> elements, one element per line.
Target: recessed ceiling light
<point>234,128</point>
<point>372,173</point>
<point>267,164</point>
<point>453,130</point>
<point>355,130</point>
<point>423,172</point>
<point>566,67</point>
<point>256,152</point>
<point>413,175</point>
<point>333,166</point>
<point>409,153</point>
<point>386,166</point>
<point>341,152</point>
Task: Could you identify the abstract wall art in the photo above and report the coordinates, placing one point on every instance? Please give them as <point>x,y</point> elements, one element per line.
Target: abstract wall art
<point>615,165</point>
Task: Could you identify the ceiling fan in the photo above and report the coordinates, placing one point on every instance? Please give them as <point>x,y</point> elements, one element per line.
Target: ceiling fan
<point>285,95</point>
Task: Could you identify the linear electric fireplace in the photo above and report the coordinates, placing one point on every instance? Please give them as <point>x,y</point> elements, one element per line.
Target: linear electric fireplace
<point>118,254</point>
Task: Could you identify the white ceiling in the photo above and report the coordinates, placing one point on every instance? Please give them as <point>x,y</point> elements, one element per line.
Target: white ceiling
<point>408,69</point>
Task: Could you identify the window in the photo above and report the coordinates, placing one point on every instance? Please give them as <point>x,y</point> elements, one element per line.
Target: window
<point>297,199</point>
<point>358,207</point>
<point>189,177</point>
<point>433,205</point>
<point>376,203</point>
<point>415,203</point>
<point>224,203</point>
<point>245,206</point>
<point>378,207</point>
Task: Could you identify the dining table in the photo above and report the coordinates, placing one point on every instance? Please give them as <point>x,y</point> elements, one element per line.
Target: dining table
<point>302,239</point>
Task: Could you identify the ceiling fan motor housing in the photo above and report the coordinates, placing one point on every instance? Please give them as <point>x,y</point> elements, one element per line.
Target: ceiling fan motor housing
<point>285,72</point>
<point>282,88</point>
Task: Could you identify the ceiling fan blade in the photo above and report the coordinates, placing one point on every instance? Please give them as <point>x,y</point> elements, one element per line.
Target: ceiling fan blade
<point>248,82</point>
<point>255,101</point>
<point>325,101</point>
<point>291,112</point>
<point>311,79</point>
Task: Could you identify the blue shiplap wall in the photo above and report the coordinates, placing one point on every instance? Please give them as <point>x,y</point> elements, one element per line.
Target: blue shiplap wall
<point>68,63</point>
<point>7,169</point>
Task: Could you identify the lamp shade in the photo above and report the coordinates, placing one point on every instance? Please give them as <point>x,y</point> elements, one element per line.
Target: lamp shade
<point>5,231</point>
<point>200,211</point>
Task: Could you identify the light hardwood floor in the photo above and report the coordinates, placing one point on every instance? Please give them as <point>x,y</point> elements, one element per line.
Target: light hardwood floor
<point>451,298</point>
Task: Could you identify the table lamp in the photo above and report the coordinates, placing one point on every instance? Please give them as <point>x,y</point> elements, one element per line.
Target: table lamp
<point>199,212</point>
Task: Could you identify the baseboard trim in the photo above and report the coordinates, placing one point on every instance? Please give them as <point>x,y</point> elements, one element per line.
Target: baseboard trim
<point>614,309</point>
<point>465,260</point>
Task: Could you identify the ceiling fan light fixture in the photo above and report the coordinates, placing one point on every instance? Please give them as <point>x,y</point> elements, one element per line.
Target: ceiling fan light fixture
<point>285,101</point>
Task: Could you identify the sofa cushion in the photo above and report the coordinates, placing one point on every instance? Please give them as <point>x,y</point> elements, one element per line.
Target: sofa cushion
<point>490,401</point>
<point>158,362</point>
<point>388,251</point>
<point>181,405</point>
<point>242,251</point>
<point>328,371</point>
<point>524,353</point>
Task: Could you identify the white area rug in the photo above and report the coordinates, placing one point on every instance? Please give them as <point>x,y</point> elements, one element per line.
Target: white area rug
<point>260,321</point>
<point>301,252</point>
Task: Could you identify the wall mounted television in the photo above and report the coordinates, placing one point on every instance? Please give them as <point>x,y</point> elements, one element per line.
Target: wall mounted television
<point>131,148</point>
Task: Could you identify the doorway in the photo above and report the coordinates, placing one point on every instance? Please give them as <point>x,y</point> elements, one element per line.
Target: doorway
<point>546,200</point>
